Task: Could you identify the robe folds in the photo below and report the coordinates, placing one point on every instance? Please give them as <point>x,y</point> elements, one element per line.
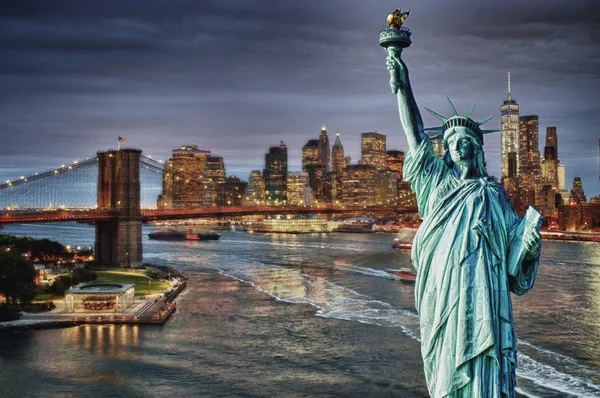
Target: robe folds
<point>464,279</point>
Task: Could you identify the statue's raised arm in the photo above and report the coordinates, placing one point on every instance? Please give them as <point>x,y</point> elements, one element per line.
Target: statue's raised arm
<point>394,39</point>
<point>410,116</point>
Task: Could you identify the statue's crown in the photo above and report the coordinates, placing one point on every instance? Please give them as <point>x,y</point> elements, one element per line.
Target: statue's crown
<point>457,120</point>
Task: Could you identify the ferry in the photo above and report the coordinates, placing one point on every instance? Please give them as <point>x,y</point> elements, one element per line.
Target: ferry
<point>176,235</point>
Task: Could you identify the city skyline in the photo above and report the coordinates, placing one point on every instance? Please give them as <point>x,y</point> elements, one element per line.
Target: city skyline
<point>236,79</point>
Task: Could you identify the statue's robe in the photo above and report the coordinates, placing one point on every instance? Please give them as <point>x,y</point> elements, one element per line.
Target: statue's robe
<point>464,279</point>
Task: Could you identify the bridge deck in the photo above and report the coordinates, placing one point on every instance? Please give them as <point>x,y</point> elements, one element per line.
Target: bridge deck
<point>22,217</point>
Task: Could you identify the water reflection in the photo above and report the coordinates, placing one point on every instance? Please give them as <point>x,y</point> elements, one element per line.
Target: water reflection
<point>114,341</point>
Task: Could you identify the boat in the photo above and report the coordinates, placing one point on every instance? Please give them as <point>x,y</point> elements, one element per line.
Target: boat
<point>402,245</point>
<point>176,235</point>
<point>404,238</point>
<point>404,274</point>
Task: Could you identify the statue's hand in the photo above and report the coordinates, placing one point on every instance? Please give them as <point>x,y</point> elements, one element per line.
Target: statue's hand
<point>532,240</point>
<point>398,71</point>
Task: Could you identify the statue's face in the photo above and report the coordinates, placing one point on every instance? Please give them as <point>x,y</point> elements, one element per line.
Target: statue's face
<point>461,146</point>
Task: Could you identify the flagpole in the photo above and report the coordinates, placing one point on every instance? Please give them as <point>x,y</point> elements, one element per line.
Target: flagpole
<point>118,144</point>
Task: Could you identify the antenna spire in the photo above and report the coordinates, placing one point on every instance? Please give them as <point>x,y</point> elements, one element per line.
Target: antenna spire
<point>509,96</point>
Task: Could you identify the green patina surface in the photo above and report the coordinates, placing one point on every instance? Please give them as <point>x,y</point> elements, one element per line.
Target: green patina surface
<point>471,251</point>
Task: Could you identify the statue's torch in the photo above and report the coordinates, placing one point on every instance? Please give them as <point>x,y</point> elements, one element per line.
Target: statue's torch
<point>394,39</point>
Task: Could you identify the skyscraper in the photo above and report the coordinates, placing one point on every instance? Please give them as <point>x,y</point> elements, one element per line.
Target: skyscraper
<point>529,169</point>
<point>275,173</point>
<point>577,194</point>
<point>231,192</point>
<point>255,191</point>
<point>186,178</point>
<point>562,176</point>
<point>311,163</point>
<point>310,155</point>
<point>551,158</point>
<point>373,151</point>
<point>338,160</point>
<point>395,162</point>
<point>509,126</point>
<point>214,175</point>
<point>324,150</point>
<point>298,191</point>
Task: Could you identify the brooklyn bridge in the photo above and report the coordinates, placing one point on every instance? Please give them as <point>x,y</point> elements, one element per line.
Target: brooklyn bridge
<point>117,190</point>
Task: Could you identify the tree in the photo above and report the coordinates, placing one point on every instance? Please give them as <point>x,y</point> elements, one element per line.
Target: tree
<point>16,278</point>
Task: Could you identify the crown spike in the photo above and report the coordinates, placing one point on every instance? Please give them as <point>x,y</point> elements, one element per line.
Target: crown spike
<point>455,113</point>
<point>487,119</point>
<point>442,118</point>
<point>470,113</point>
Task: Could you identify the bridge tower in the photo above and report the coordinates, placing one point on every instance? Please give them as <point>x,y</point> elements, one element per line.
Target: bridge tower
<point>119,241</point>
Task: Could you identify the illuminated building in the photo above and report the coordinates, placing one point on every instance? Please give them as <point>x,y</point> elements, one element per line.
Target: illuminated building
<point>337,156</point>
<point>529,167</point>
<point>165,199</point>
<point>373,150</point>
<point>214,175</point>
<point>394,161</point>
<point>275,174</point>
<point>96,298</point>
<point>313,164</point>
<point>406,196</point>
<point>183,186</point>
<point>255,191</point>
<point>298,191</point>
<point>325,186</point>
<point>359,185</point>
<point>546,201</point>
<point>575,217</point>
<point>310,155</point>
<point>323,150</point>
<point>550,169</point>
<point>577,194</point>
<point>231,191</point>
<point>509,126</point>
<point>387,191</point>
<point>562,176</point>
<point>364,185</point>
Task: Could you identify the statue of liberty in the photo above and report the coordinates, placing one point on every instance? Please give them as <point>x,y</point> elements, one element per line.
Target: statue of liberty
<point>470,252</point>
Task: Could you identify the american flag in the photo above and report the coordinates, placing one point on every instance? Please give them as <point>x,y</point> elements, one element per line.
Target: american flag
<point>122,139</point>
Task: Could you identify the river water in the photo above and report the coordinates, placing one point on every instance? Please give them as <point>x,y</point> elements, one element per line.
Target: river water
<point>298,315</point>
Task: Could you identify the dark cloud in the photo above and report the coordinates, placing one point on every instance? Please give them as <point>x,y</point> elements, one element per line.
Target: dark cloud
<point>236,77</point>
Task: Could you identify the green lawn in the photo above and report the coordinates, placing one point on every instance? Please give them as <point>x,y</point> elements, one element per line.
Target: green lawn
<point>139,279</point>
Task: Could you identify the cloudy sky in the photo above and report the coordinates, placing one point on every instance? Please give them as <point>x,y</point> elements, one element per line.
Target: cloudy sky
<point>236,77</point>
